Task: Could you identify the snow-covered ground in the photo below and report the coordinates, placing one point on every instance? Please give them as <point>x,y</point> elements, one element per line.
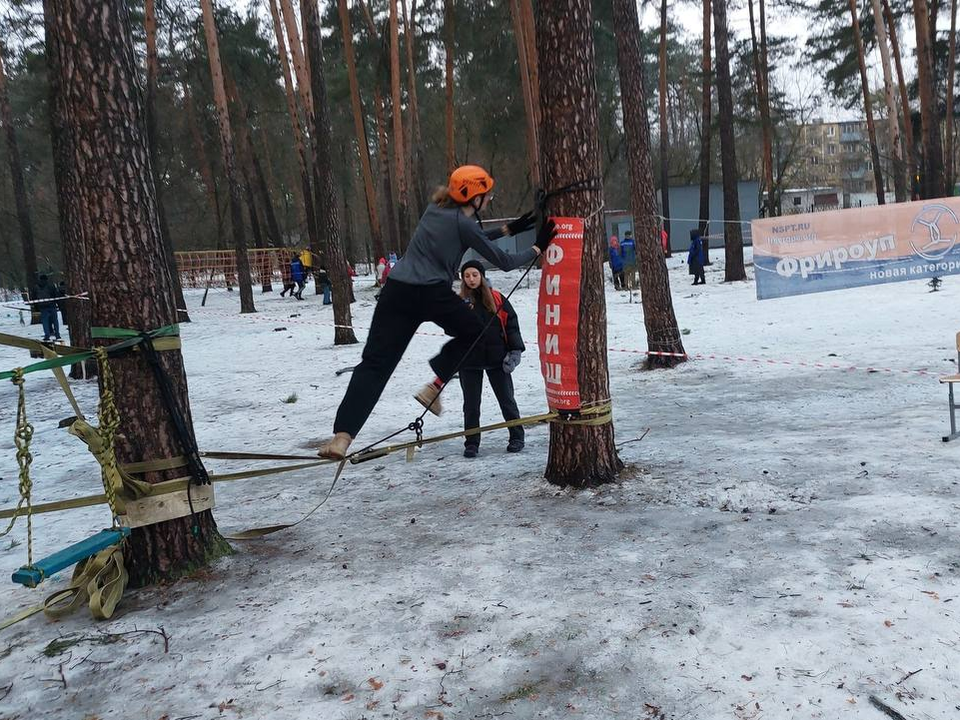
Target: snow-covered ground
<point>784,543</point>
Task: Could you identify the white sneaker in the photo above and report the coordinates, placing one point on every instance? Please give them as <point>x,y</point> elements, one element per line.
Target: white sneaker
<point>429,397</point>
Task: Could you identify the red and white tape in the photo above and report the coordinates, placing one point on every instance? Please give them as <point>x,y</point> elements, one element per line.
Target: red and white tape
<point>632,351</point>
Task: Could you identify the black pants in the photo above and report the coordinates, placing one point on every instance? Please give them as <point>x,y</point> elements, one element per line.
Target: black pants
<point>618,282</point>
<point>471,381</point>
<point>400,311</point>
<point>698,275</point>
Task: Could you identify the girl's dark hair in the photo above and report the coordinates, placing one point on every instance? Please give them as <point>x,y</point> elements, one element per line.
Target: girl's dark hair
<point>483,294</point>
<point>441,197</point>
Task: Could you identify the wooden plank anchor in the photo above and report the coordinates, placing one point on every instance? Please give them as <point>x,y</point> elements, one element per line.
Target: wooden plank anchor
<point>70,555</point>
<point>168,506</point>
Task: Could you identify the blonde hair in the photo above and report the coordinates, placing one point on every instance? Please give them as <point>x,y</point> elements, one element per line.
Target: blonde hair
<point>483,294</point>
<point>441,197</point>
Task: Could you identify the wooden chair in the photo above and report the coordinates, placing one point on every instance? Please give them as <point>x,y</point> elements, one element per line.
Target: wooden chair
<point>950,381</point>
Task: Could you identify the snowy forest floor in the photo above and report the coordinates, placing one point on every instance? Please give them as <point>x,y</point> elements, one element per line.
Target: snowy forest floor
<point>783,543</point>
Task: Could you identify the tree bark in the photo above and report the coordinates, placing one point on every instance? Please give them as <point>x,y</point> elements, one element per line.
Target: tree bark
<point>299,63</point>
<point>763,109</point>
<point>893,122</point>
<point>448,40</point>
<point>664,125</point>
<point>229,160</point>
<point>385,173</point>
<point>579,455</point>
<point>415,146</point>
<point>403,212</point>
<point>153,70</point>
<point>112,199</point>
<point>663,335</point>
<point>732,234</point>
<point>910,145</point>
<point>932,176</point>
<point>16,175</point>
<point>76,312</point>
<point>302,158</point>
<point>523,34</point>
<point>363,147</point>
<point>203,162</point>
<point>326,197</point>
<point>867,103</point>
<point>951,102</point>
<point>706,129</point>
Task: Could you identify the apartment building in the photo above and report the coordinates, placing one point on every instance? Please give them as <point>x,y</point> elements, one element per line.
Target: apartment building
<point>837,155</point>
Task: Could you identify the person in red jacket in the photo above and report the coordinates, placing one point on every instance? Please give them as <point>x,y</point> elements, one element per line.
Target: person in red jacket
<point>497,354</point>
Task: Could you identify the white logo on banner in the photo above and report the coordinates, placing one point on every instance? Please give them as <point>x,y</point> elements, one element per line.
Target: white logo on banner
<point>937,245</point>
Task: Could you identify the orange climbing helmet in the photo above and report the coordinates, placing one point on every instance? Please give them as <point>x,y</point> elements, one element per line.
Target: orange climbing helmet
<point>468,181</point>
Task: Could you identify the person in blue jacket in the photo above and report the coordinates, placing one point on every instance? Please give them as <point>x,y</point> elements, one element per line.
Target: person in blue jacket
<point>298,275</point>
<point>616,264</point>
<point>628,253</point>
<point>696,258</point>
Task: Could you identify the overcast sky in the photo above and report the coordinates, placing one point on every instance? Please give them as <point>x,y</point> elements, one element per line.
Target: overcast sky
<point>784,23</point>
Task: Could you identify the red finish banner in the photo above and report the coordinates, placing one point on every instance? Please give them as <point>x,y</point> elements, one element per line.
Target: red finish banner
<point>558,318</point>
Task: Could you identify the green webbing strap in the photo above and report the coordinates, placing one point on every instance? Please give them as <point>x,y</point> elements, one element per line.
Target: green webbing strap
<point>131,338</point>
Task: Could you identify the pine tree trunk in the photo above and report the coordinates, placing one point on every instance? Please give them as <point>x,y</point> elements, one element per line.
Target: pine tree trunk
<point>951,101</point>
<point>664,125</point>
<point>16,174</point>
<point>112,200</point>
<point>263,189</point>
<point>76,313</point>
<point>448,40</point>
<point>732,234</point>
<point>363,148</point>
<point>706,131</point>
<point>908,137</point>
<point>663,335</point>
<point>299,64</point>
<point>867,103</point>
<point>328,212</point>
<point>932,176</point>
<point>229,160</point>
<point>153,67</point>
<point>763,109</point>
<point>893,123</point>
<point>570,147</point>
<point>415,146</point>
<point>203,162</point>
<point>400,175</point>
<point>303,164</point>
<point>530,92</point>
<point>765,117</point>
<point>385,172</point>
<point>249,172</point>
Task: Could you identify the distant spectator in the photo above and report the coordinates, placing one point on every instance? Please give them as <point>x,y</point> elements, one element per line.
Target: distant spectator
<point>695,258</point>
<point>628,253</point>
<point>664,241</point>
<point>393,259</point>
<point>323,278</point>
<point>44,291</point>
<point>298,275</point>
<point>616,264</point>
<point>381,269</point>
<point>286,275</point>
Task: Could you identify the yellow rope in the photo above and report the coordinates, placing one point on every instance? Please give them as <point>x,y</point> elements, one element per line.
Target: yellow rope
<point>109,422</point>
<point>21,438</point>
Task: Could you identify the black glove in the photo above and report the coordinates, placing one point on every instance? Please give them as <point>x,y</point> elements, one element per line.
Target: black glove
<point>546,235</point>
<point>521,224</point>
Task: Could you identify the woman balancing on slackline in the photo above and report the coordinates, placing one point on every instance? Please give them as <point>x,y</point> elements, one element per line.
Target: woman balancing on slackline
<point>419,290</point>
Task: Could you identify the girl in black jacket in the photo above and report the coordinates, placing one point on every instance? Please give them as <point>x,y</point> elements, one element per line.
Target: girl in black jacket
<point>497,353</point>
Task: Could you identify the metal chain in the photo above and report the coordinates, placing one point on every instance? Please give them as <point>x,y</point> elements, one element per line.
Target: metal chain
<point>21,438</point>
<point>109,418</point>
